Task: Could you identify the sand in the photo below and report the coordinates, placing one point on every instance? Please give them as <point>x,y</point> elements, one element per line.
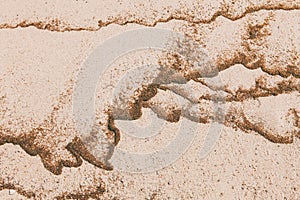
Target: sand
<point>234,79</point>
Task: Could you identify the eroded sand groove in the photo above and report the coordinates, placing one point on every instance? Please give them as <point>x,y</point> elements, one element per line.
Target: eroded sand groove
<point>281,77</point>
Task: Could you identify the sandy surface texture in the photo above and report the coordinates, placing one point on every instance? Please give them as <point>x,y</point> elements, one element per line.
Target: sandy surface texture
<point>150,100</point>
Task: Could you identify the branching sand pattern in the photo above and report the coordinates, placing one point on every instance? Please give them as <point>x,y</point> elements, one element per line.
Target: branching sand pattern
<point>280,78</point>
<point>245,110</point>
<point>257,40</point>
